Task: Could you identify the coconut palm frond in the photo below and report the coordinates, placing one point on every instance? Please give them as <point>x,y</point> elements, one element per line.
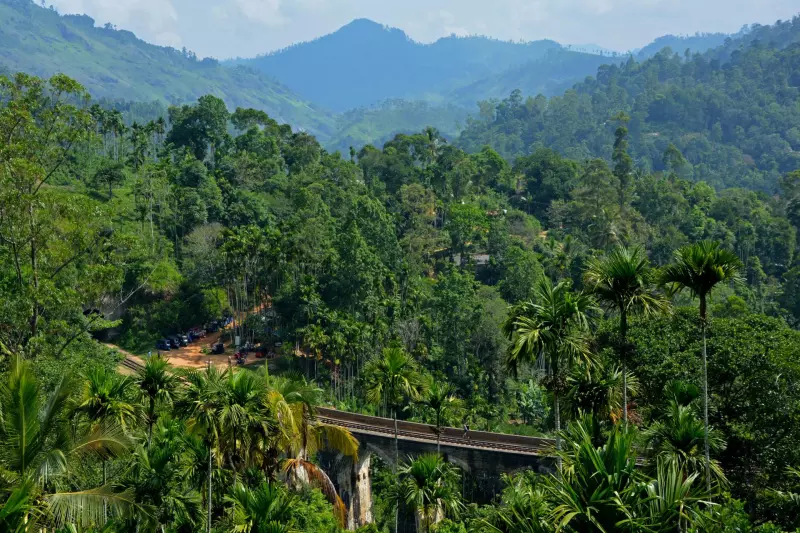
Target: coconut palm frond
<point>298,469</point>
<point>86,507</point>
<point>337,438</point>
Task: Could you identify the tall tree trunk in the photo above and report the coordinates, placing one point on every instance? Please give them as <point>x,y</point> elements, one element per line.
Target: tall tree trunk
<point>208,527</point>
<point>703,326</point>
<point>105,503</point>
<point>558,426</point>
<point>623,351</point>
<point>705,411</point>
<point>394,466</point>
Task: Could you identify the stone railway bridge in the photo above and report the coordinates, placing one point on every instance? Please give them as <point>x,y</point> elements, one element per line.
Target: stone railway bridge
<point>482,456</point>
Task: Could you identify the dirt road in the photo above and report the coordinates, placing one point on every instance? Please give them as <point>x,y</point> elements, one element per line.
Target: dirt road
<point>191,356</point>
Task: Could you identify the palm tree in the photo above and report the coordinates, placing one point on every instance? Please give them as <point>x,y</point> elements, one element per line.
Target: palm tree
<point>789,498</point>
<point>670,501</point>
<point>679,436</point>
<point>550,333</point>
<point>441,399</point>
<point>701,267</point>
<point>202,402</point>
<point>157,386</point>
<point>390,378</point>
<point>105,398</point>
<point>597,484</point>
<point>430,486</point>
<point>39,448</point>
<point>300,435</point>
<point>598,389</point>
<point>267,508</point>
<point>623,282</point>
<point>244,418</point>
<point>159,475</point>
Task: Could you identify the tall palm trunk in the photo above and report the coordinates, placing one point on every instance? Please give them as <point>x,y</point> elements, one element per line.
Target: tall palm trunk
<point>703,326</point>
<point>623,351</point>
<point>394,466</point>
<point>557,413</point>
<point>208,527</point>
<point>105,503</point>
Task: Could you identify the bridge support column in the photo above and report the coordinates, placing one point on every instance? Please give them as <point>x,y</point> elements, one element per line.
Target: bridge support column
<point>359,512</point>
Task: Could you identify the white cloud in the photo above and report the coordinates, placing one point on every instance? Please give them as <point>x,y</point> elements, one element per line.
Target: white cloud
<point>225,28</point>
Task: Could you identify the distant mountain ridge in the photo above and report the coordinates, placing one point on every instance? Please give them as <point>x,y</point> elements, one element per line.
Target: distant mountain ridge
<point>361,84</point>
<point>364,63</point>
<point>116,64</point>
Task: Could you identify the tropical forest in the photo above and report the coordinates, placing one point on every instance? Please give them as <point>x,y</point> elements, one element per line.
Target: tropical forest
<point>235,298</point>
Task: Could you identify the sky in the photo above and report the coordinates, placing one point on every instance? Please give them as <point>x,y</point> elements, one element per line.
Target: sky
<point>245,28</point>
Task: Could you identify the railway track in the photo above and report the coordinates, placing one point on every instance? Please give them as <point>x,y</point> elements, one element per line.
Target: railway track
<point>132,365</point>
<point>449,437</point>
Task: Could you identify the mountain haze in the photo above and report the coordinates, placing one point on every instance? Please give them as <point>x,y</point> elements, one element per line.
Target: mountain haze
<point>364,63</point>
<point>116,64</point>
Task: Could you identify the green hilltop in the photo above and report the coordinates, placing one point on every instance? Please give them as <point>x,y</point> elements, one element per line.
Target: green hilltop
<point>116,64</point>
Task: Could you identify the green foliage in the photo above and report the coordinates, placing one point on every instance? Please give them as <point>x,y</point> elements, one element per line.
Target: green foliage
<point>730,121</point>
<point>101,56</point>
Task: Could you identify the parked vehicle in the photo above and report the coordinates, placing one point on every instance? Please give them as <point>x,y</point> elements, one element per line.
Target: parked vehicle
<point>174,341</point>
<point>218,348</point>
<point>163,344</point>
<point>184,340</point>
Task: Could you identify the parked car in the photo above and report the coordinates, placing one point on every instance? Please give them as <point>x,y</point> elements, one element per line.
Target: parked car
<point>174,341</point>
<point>184,340</point>
<point>163,344</point>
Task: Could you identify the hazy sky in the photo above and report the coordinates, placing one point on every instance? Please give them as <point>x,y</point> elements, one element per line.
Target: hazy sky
<point>227,28</point>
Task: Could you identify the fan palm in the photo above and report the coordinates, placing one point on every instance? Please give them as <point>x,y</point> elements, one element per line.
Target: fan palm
<point>157,385</point>
<point>440,398</point>
<point>430,486</point>
<point>39,447</point>
<point>623,281</point>
<point>701,267</point>
<point>550,332</point>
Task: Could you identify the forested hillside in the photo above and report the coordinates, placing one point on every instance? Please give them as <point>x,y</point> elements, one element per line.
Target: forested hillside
<point>115,64</point>
<point>378,124</point>
<point>606,304</point>
<point>698,43</point>
<point>732,112</point>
